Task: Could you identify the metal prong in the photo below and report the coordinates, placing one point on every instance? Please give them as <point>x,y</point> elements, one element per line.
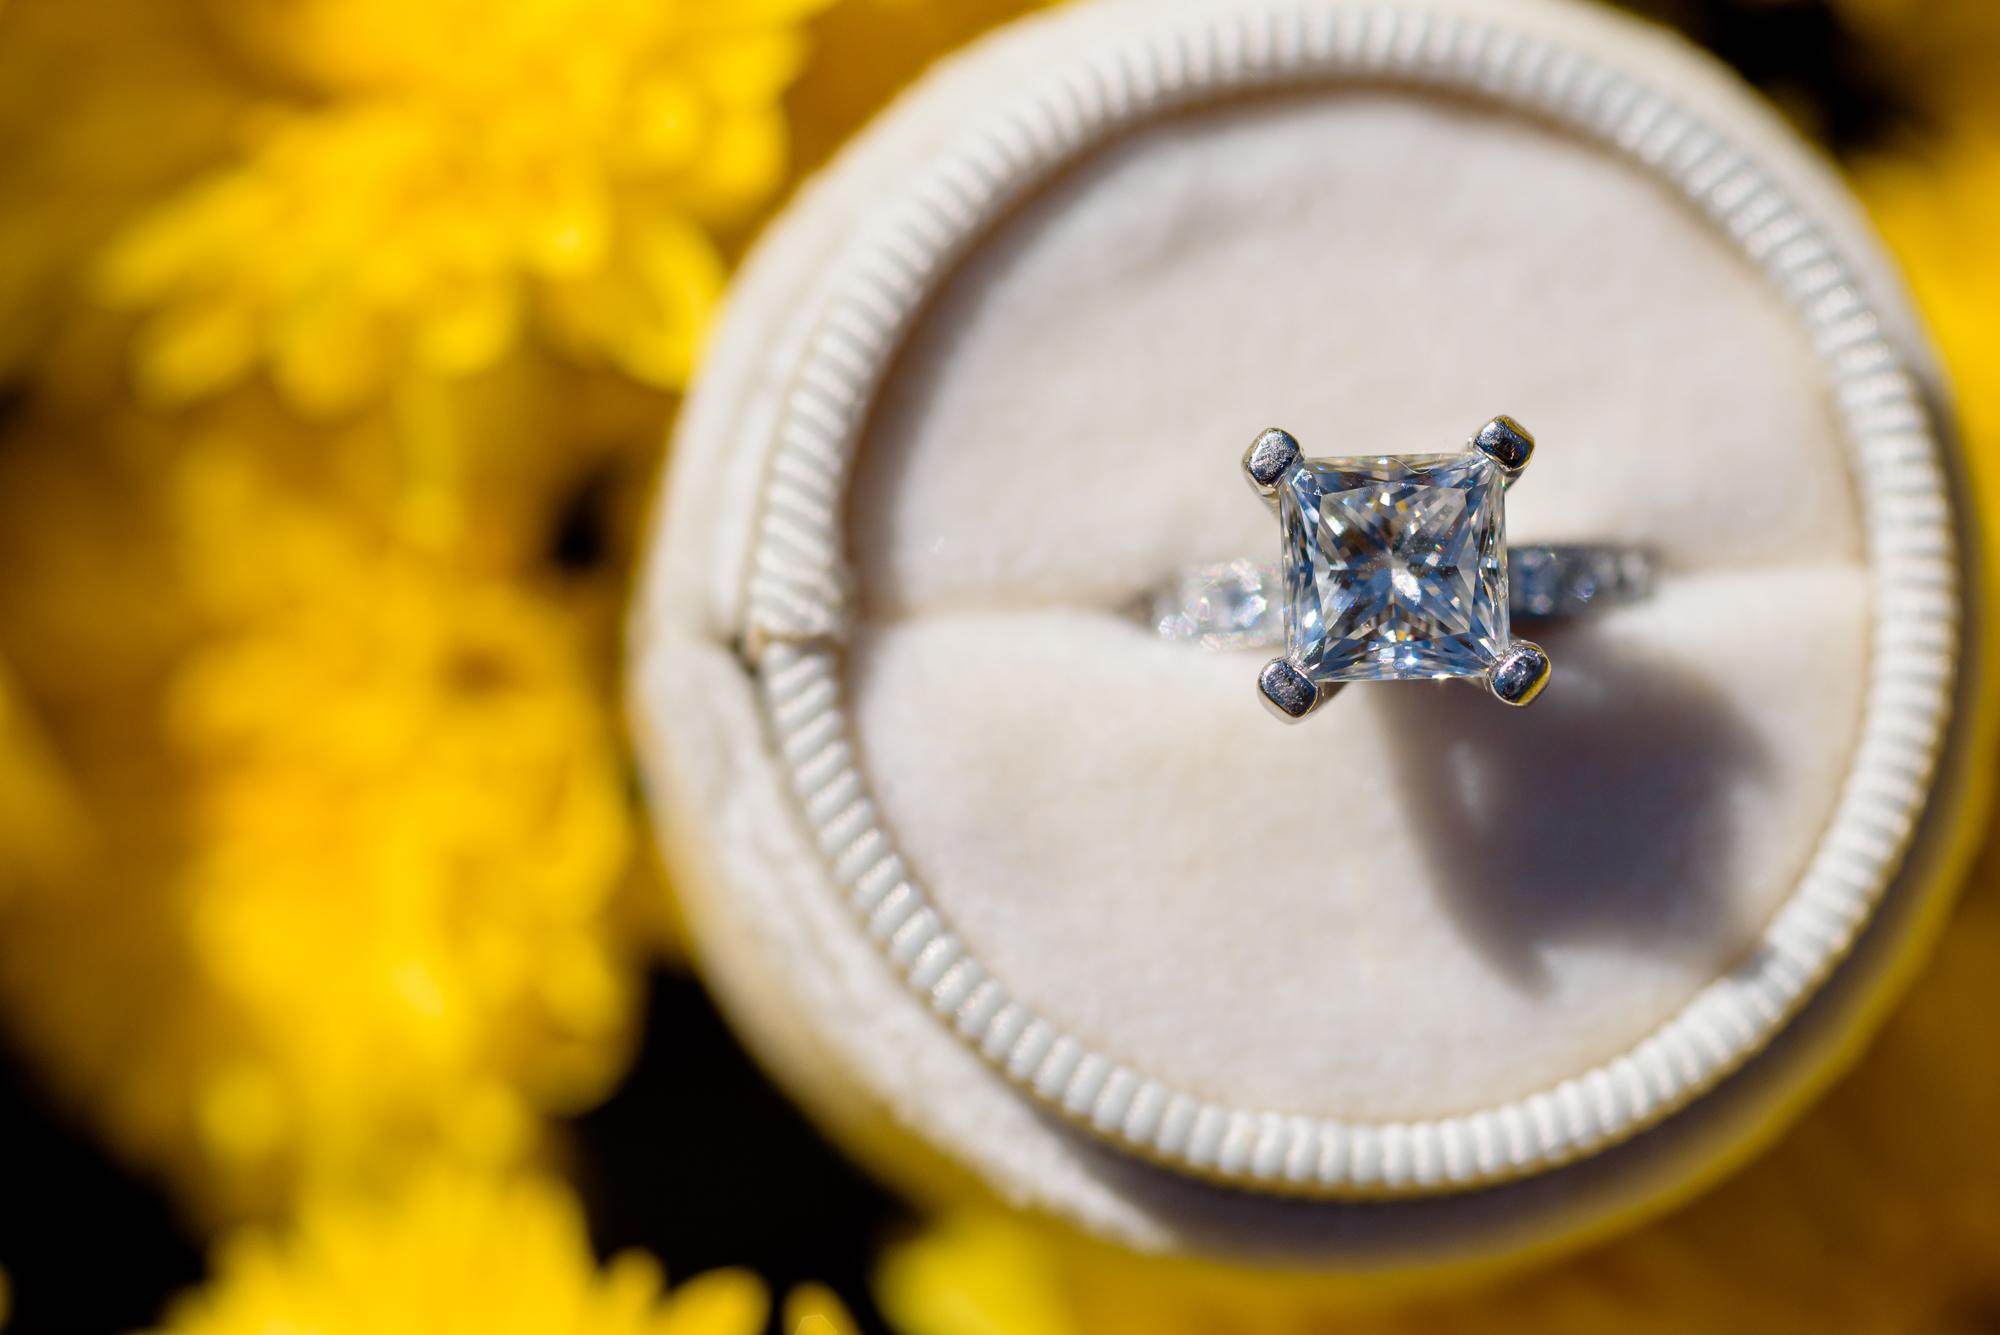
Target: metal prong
<point>1507,443</point>
<point>1291,694</point>
<point>1519,675</point>
<point>1272,455</point>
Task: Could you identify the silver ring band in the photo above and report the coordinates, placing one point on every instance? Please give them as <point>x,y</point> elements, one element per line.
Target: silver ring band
<point>1239,604</point>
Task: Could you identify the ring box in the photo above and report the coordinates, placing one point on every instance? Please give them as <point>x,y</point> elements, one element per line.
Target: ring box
<point>1016,897</point>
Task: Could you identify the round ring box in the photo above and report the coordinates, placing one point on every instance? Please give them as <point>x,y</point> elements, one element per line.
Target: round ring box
<point>1015,896</point>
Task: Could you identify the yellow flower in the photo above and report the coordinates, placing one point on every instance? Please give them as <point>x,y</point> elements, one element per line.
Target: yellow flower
<point>411,817</point>
<point>449,1255</point>
<point>458,170</point>
<point>355,846</point>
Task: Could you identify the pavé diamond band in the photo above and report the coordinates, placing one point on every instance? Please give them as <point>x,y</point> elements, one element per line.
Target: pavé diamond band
<point>1240,604</point>
<point>1394,568</point>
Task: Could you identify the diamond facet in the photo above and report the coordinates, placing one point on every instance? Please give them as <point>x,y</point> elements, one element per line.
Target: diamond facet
<point>1395,567</point>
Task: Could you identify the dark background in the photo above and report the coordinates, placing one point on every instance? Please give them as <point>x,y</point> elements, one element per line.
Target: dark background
<point>93,1249</point>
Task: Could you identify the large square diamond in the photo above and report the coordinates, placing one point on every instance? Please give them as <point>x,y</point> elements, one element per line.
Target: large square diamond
<point>1395,567</point>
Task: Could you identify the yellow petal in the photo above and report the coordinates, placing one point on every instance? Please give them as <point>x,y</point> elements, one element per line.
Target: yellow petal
<point>719,1302</point>
<point>165,249</point>
<point>570,227</point>
<point>748,73</point>
<point>975,1273</point>
<point>241,1114</point>
<point>814,1309</point>
<point>195,349</point>
<point>470,332</point>
<point>744,162</point>
<point>650,313</point>
<point>330,355</point>
<point>665,124</point>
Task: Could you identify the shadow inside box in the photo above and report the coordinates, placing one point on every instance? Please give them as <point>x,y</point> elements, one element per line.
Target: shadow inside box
<point>1606,811</point>
<point>700,1160</point>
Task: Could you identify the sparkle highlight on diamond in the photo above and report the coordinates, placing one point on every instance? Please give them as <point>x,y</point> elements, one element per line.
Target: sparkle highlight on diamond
<point>1395,567</point>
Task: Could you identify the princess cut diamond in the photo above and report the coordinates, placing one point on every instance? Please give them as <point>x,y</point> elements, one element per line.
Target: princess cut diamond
<point>1395,567</point>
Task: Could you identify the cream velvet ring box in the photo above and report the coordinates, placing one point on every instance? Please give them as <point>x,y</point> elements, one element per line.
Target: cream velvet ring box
<point>1015,896</point>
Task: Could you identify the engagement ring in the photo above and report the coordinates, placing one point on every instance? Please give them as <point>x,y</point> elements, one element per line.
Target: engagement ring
<point>1394,568</point>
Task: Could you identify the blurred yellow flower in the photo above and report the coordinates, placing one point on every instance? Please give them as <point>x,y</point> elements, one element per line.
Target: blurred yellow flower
<point>451,1255</point>
<point>411,816</point>
<point>346,731</point>
<point>350,891</point>
<point>453,171</point>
